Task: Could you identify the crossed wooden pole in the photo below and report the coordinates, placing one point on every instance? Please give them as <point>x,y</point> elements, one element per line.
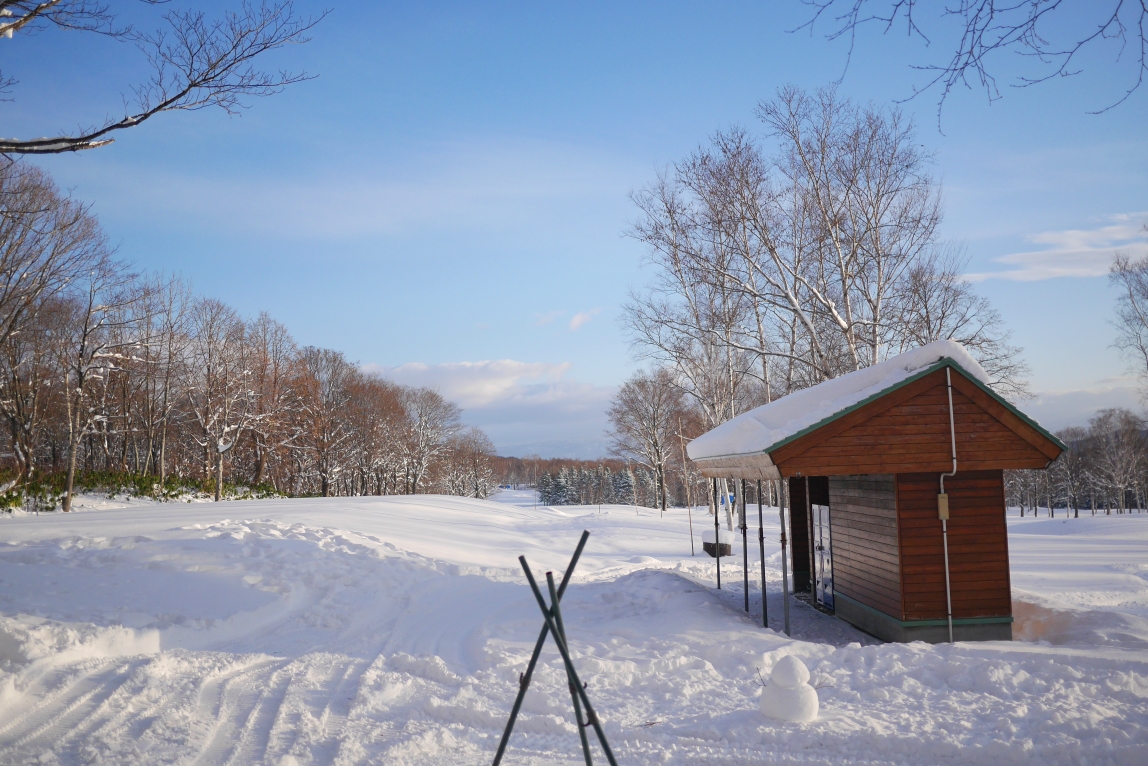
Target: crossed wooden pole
<point>553,626</point>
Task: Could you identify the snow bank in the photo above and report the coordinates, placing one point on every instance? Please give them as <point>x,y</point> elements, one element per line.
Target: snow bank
<point>393,630</point>
<point>759,429</point>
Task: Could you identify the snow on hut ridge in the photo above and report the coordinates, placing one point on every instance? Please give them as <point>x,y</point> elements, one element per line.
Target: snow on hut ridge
<point>763,427</point>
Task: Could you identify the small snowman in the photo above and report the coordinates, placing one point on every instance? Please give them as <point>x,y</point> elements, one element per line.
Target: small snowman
<point>788,695</point>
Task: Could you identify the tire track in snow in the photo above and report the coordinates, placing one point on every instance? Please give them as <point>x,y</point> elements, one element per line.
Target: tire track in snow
<point>315,711</point>
<point>232,701</point>
<point>338,707</point>
<point>255,735</point>
<point>59,714</point>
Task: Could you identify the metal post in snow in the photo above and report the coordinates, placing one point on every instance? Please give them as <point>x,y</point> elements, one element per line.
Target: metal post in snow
<point>717,538</point>
<point>744,549</point>
<point>690,516</point>
<point>569,679</point>
<point>761,544</point>
<point>782,500</point>
<point>547,614</point>
<point>524,679</point>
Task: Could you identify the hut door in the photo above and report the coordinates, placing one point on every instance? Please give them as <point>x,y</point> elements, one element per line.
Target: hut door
<point>822,556</point>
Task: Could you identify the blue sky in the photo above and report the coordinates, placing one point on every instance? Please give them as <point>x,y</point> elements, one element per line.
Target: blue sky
<point>447,201</point>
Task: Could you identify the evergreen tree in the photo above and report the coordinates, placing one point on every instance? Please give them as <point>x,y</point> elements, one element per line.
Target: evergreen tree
<point>562,488</point>
<point>606,486</point>
<point>624,487</point>
<point>546,489</point>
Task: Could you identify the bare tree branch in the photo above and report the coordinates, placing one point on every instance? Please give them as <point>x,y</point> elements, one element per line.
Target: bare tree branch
<point>195,62</point>
<point>986,28</point>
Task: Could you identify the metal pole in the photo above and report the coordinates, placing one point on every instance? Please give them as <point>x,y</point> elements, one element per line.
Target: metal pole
<point>782,499</point>
<point>761,544</point>
<point>569,680</point>
<point>809,538</point>
<point>948,592</point>
<point>686,477</point>
<point>717,538</point>
<point>744,549</point>
<point>524,679</point>
<point>571,672</point>
<point>690,516</point>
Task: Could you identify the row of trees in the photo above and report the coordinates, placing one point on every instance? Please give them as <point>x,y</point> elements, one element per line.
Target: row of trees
<point>1104,468</point>
<point>104,369</point>
<point>601,485</point>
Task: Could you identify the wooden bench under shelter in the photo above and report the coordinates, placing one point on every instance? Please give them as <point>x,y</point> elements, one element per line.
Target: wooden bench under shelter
<point>873,462</point>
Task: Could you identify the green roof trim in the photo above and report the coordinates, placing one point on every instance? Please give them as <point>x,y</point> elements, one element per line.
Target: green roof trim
<point>1007,405</point>
<point>940,364</point>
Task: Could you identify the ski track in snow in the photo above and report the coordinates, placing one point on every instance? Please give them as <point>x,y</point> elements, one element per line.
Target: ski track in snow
<point>393,630</point>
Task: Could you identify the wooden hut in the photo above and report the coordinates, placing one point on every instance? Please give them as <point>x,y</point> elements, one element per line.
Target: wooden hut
<point>895,480</point>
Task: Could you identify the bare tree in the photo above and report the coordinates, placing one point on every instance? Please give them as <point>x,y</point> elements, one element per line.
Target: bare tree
<point>431,421</point>
<point>774,273</point>
<point>1130,277</point>
<point>644,416</point>
<point>87,351</point>
<point>975,33</point>
<point>26,388</point>
<point>935,302</point>
<point>468,469</point>
<point>218,384</point>
<point>1118,447</point>
<point>195,62</point>
<point>1070,470</point>
<point>164,315</point>
<point>47,241</point>
<point>325,390</point>
<point>274,378</point>
<point>378,423</point>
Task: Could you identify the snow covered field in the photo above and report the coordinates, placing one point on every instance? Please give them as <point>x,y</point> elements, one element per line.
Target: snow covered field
<point>392,631</point>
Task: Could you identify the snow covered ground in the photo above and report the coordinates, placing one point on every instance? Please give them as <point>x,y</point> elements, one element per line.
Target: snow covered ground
<point>393,630</point>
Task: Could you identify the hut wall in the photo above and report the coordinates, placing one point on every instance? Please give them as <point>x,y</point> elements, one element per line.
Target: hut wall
<point>978,546</point>
<point>863,527</point>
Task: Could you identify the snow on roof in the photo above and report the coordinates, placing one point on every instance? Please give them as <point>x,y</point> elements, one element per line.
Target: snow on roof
<point>761,428</point>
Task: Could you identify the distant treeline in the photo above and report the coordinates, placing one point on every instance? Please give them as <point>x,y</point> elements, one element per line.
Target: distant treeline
<point>135,378</point>
<point>1105,469</point>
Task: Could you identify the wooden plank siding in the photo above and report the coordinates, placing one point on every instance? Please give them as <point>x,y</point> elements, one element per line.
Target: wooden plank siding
<point>907,431</point>
<point>978,545</point>
<point>863,531</point>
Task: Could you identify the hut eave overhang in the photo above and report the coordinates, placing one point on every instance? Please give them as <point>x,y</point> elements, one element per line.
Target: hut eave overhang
<point>753,466</point>
<point>756,444</point>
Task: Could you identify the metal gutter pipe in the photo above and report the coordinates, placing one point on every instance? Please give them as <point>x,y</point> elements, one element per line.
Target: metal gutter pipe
<point>943,503</point>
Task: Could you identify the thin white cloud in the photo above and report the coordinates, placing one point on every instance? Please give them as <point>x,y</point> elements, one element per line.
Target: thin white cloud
<point>582,317</point>
<point>490,185</point>
<point>545,319</point>
<point>1072,252</point>
<point>474,384</point>
<point>523,406</point>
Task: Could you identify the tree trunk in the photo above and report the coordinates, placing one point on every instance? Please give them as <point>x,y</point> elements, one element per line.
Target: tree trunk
<point>163,455</point>
<point>67,503</point>
<point>260,462</point>
<point>662,482</point>
<point>219,479</point>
